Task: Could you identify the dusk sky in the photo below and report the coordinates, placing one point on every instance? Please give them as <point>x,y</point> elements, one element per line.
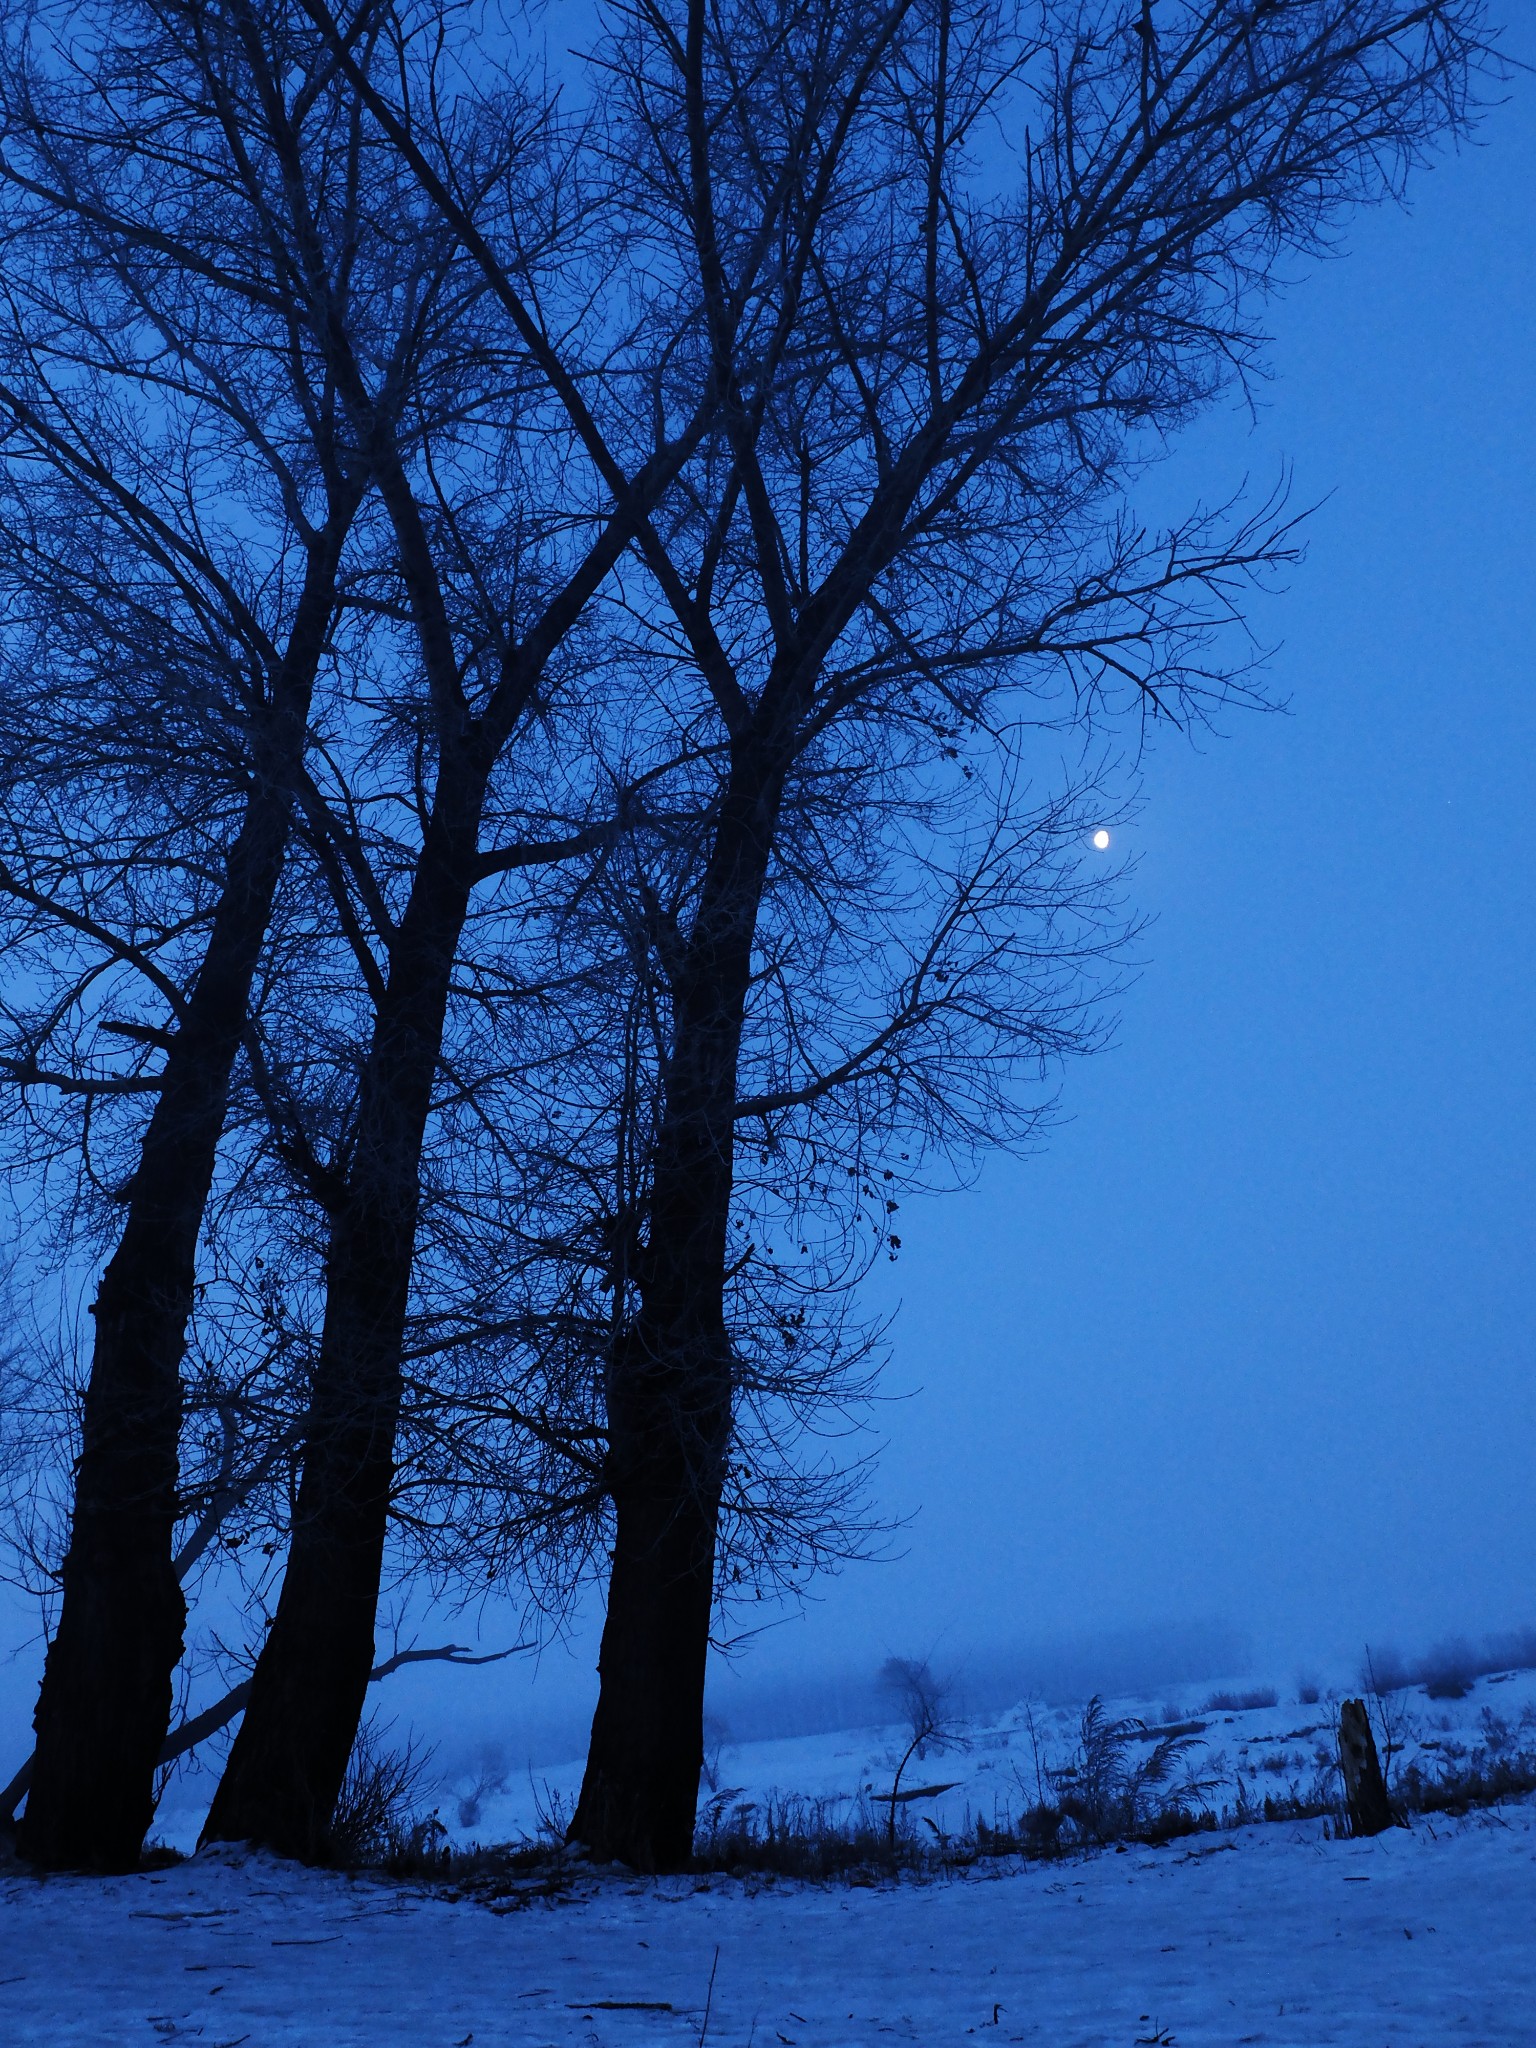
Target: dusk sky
<point>1250,1343</point>
<point>1253,1339</point>
<point>1246,1355</point>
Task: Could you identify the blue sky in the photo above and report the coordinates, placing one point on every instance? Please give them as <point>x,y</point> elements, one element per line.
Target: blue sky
<point>1254,1339</point>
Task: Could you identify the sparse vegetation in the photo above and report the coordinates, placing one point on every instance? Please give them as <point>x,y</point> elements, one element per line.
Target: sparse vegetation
<point>809,1838</point>
<point>1114,1790</point>
<point>1110,1790</point>
<point>1242,1702</point>
<point>927,1711</point>
<point>1501,1766</point>
<point>380,1818</point>
<point>1109,1793</point>
<point>1126,1781</point>
<point>486,1776</point>
<point>717,1739</point>
<point>1450,1668</point>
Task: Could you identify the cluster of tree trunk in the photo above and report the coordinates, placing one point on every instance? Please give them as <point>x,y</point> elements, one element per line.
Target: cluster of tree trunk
<point>539,639</point>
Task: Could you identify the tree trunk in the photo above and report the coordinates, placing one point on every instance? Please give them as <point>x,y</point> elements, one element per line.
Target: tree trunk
<point>105,1702</point>
<point>284,1772</point>
<point>107,1684</point>
<point>285,1769</point>
<point>671,1383</point>
<point>641,1786</point>
<point>1365,1791</point>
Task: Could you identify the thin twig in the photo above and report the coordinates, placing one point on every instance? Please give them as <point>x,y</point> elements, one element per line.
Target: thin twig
<point>709,1996</point>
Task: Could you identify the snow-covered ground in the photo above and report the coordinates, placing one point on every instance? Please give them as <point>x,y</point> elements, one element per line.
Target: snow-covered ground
<point>1289,1748</point>
<point>1269,1934</point>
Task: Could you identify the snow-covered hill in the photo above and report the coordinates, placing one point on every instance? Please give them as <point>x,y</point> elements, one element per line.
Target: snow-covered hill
<point>1001,1765</point>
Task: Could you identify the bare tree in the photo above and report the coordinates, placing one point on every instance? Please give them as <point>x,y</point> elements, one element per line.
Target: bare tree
<point>1022,245</point>
<point>186,481</point>
<point>927,1712</point>
<point>291,1749</point>
<point>492,560</point>
<point>708,847</point>
<point>492,608</point>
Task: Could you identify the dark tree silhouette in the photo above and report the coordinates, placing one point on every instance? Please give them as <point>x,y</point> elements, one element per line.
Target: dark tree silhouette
<point>492,606</point>
<point>1019,246</point>
<point>186,484</point>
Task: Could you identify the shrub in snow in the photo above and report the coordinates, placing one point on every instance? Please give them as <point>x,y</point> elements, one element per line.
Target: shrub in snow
<point>1242,1702</point>
<point>378,1816</point>
<point>1116,1787</point>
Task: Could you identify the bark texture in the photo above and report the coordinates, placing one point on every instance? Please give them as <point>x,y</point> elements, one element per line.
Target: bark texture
<point>671,1382</point>
<point>285,1770</point>
<point>105,1702</point>
<point>640,1789</point>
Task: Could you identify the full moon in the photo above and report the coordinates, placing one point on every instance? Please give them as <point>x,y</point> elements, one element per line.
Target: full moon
<point>1101,839</point>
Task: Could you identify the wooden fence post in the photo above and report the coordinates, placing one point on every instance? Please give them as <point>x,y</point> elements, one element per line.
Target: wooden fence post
<point>1365,1793</point>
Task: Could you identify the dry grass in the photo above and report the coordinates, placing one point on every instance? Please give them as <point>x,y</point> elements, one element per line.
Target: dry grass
<point>1124,1783</point>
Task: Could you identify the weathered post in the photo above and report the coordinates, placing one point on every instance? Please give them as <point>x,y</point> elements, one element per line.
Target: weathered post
<point>1365,1792</point>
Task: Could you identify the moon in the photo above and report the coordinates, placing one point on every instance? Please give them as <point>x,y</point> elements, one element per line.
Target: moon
<point>1101,839</point>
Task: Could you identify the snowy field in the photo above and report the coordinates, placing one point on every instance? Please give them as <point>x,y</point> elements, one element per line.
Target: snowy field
<point>1257,1934</point>
<point>1266,1935</point>
<point>998,1767</point>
